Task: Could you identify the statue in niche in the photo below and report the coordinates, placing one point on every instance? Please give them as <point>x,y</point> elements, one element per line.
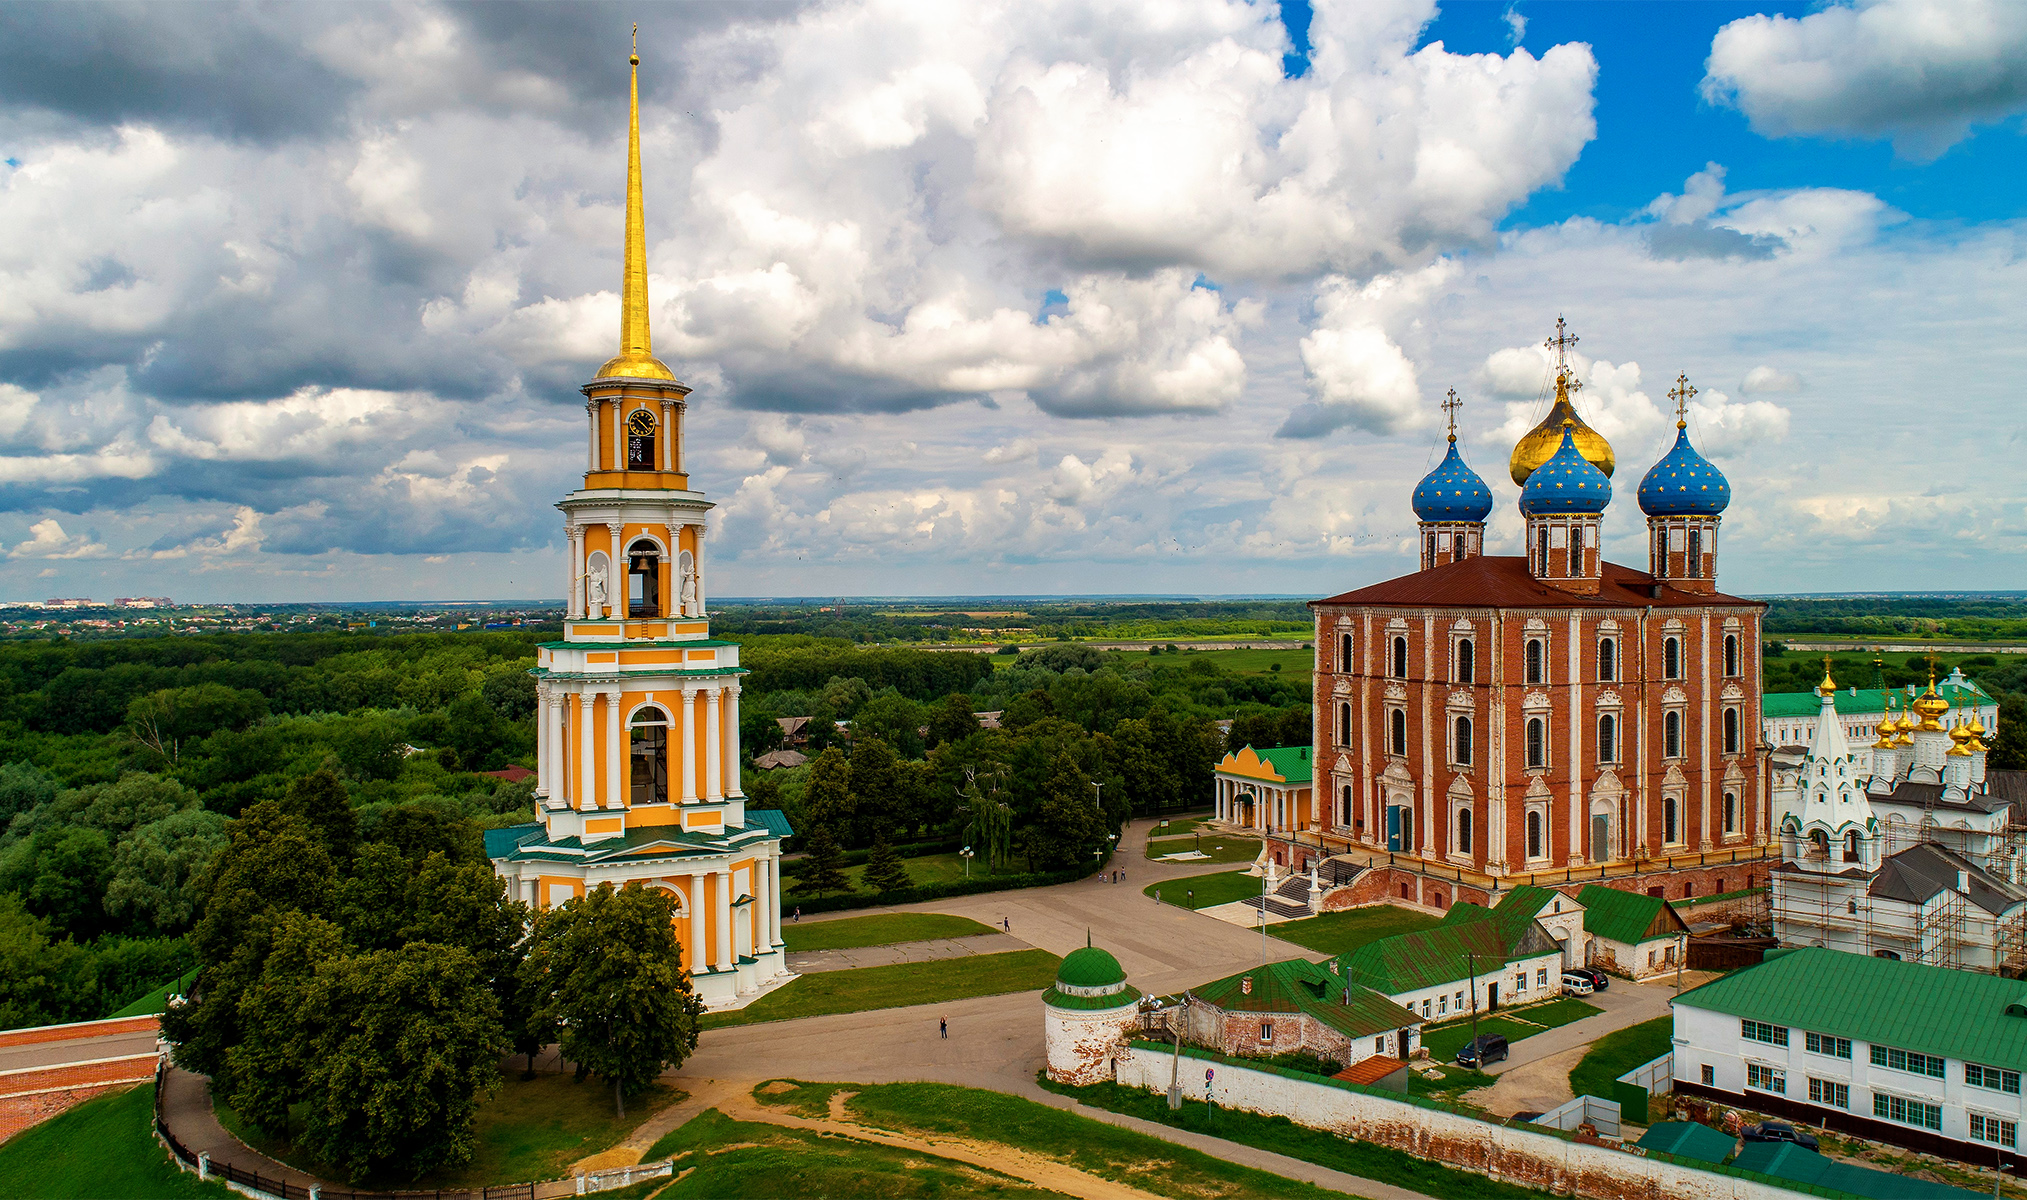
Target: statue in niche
<point>688,595</point>
<point>594,592</point>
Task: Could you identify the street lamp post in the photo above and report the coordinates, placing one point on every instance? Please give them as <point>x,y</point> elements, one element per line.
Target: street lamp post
<point>967,855</point>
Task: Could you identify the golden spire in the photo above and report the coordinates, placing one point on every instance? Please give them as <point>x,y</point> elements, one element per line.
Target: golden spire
<point>1682,393</point>
<point>1929,704</point>
<point>636,358</point>
<point>1450,407</point>
<point>1540,443</point>
<point>1887,728</point>
<point>1829,686</point>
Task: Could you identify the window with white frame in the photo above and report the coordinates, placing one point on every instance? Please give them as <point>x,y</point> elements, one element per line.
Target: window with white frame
<point>1760,1031</point>
<point>1731,654</point>
<point>1766,1079</point>
<point>1535,655</point>
<point>1911,1061</point>
<point>1442,1005</point>
<point>1463,831</point>
<point>1992,1078</point>
<point>1608,660</point>
<point>1344,724</point>
<point>1520,982</point>
<point>1467,661</point>
<point>1671,734</point>
<point>1537,742</point>
<point>1996,1130</point>
<point>1827,1045</point>
<point>1608,738</point>
<point>1460,741</point>
<point>1541,977</point>
<point>1906,1111</point>
<point>1830,1092</point>
<point>1730,730</point>
<point>1671,658</point>
<point>1344,663</point>
<point>1266,1031</point>
<point>1400,663</point>
<point>1426,1009</point>
<point>1397,730</point>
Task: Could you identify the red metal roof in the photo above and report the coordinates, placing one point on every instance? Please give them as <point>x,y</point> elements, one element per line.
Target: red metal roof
<point>1369,1071</point>
<point>511,774</point>
<point>1503,581</point>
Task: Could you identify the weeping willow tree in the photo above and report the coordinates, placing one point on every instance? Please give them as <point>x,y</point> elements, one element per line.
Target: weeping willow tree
<point>989,824</point>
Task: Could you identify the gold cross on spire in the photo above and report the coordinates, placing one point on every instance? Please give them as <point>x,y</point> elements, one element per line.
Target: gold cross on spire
<point>635,51</point>
<point>1450,406</point>
<point>1681,394</point>
<point>1562,343</point>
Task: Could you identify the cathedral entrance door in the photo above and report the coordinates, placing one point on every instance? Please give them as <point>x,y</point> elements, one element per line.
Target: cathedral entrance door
<point>1601,837</point>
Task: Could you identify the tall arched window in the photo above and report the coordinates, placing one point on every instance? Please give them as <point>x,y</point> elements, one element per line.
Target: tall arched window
<point>1669,831</point>
<point>1344,808</point>
<point>1537,742</point>
<point>1467,660</point>
<point>1731,654</point>
<point>1400,658</point>
<point>643,576</point>
<point>1695,555</point>
<point>1730,814</point>
<point>648,778</point>
<point>1608,738</point>
<point>1344,724</point>
<point>1429,552</point>
<point>1463,741</point>
<point>1671,658</point>
<point>1534,835</point>
<point>1731,731</point>
<point>1534,660</point>
<point>1463,831</point>
<point>1608,659</point>
<point>1851,846</point>
<point>1671,735</point>
<point>1397,722</point>
<point>1344,652</point>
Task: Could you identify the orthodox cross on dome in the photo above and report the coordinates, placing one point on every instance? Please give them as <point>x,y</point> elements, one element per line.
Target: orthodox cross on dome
<point>1681,393</point>
<point>1450,407</point>
<point>1562,343</point>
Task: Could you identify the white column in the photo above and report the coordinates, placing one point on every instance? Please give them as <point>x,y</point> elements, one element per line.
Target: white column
<point>615,752</point>
<point>545,750</point>
<point>528,886</point>
<point>694,960</point>
<point>587,743</point>
<point>698,561</point>
<point>714,784</point>
<point>591,444</point>
<point>618,434</point>
<point>668,439</point>
<point>573,597</point>
<point>559,763</point>
<point>721,900</point>
<point>733,784</point>
<point>686,757</point>
<point>615,568</point>
<point>773,898</point>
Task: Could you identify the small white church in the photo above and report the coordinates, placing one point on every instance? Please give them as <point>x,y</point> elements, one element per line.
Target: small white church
<point>1901,849</point>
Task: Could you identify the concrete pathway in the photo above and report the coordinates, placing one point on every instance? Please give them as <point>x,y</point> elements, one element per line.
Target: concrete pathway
<point>803,962</point>
<point>186,1109</point>
<point>1625,1004</point>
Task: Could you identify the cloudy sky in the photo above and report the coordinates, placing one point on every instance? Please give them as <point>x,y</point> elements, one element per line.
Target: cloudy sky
<point>1103,296</point>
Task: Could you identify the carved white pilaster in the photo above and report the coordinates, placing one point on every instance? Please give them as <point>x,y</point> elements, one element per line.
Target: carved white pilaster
<point>730,751</point>
<point>618,433</point>
<point>686,755</point>
<point>722,901</point>
<point>591,442</point>
<point>587,752</point>
<point>553,762</point>
<point>714,783</point>
<point>615,568</point>
<point>668,440</point>
<point>695,960</point>
<point>573,595</point>
<point>615,752</point>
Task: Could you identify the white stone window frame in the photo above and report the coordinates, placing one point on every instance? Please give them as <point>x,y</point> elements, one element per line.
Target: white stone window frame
<point>1462,632</point>
<point>1678,709</point>
<point>1536,631</point>
<point>1540,809</point>
<point>1407,747</point>
<point>1681,798</point>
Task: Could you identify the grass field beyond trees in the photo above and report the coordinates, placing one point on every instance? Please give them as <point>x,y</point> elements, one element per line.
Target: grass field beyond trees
<point>896,986</point>
<point>883,929</point>
<point>104,1149</point>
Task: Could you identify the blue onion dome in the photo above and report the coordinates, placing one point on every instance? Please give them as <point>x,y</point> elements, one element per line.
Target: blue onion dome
<point>1452,492</point>
<point>1566,483</point>
<point>1684,484</point>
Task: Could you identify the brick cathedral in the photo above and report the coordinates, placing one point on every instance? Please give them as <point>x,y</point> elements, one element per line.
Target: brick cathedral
<point>1549,718</point>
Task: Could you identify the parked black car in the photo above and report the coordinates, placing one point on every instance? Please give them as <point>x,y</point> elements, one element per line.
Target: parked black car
<point>1599,980</point>
<point>1483,1049</point>
<point>1778,1131</point>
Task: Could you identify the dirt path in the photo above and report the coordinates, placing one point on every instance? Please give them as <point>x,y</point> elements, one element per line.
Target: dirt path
<point>738,1103</point>
<point>1532,1087</point>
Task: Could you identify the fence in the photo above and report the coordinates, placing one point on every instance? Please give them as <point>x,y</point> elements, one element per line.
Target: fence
<point>1600,1115</point>
<point>281,1188</point>
<point>1633,1089</point>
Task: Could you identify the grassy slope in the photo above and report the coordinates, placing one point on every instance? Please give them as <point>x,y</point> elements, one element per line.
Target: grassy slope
<point>104,1149</point>
<point>884,929</point>
<point>155,1002</point>
<point>1619,1052</point>
<point>1282,1136</point>
<point>896,986</point>
<point>1219,887</point>
<point>740,1159</point>
<point>1106,1151</point>
<point>1341,932</point>
<point>529,1130</point>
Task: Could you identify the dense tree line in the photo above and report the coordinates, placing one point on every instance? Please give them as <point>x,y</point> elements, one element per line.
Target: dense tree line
<point>1966,617</point>
<point>1070,619</point>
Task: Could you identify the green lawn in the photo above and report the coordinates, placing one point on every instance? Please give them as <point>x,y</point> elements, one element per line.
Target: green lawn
<point>719,1157</point>
<point>1136,1159</point>
<point>1282,1136</point>
<point>528,1130</point>
<point>1176,826</point>
<point>1216,849</point>
<point>154,1003</point>
<point>884,929</point>
<point>898,985</point>
<point>1556,1012</point>
<point>1455,1080</point>
<point>104,1149</point>
<point>1443,1041</point>
<point>1619,1052</point>
<point>1341,932</point>
<point>1219,887</point>
<point>930,868</point>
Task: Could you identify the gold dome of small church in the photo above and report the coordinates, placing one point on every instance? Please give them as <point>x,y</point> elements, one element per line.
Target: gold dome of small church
<point>1540,443</point>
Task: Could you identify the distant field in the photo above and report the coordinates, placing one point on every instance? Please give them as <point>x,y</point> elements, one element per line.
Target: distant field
<point>1294,663</point>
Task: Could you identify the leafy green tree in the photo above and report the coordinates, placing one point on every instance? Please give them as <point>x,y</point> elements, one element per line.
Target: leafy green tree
<point>370,747</point>
<point>884,872</point>
<point>61,873</point>
<point>42,981</point>
<point>401,1047</point>
<point>759,731</point>
<point>2009,748</point>
<point>24,786</point>
<point>763,790</point>
<point>1063,832</point>
<point>270,1063</point>
<point>828,800</point>
<point>893,719</point>
<point>164,720</point>
<point>876,788</point>
<point>510,690</point>
<point>158,870</point>
<point>608,966</point>
<point>320,799</point>
<point>824,867</point>
<point>843,695</point>
<point>951,720</point>
<point>428,826</point>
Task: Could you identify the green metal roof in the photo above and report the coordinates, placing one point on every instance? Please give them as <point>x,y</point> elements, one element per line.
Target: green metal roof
<point>1687,1139</point>
<point>1624,916</point>
<point>1292,763</point>
<point>1783,1160</point>
<point>1409,962</point>
<point>527,843</point>
<point>1789,705</point>
<point>1936,1010</point>
<point>1056,998</point>
<point>1297,985</point>
<point>1512,915</point>
<point>1090,967</point>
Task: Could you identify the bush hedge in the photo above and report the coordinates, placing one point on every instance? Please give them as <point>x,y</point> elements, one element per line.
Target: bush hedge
<point>796,866</point>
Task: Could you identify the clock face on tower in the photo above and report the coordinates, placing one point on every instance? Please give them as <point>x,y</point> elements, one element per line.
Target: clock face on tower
<point>640,441</point>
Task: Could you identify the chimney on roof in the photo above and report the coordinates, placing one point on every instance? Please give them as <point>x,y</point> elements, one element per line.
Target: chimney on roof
<point>1246,986</point>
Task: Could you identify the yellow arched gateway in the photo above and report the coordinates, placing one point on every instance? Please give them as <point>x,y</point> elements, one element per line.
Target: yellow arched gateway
<point>638,705</point>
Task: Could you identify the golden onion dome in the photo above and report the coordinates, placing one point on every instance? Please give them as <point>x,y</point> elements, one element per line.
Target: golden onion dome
<point>1540,443</point>
<point>1886,728</point>
<point>1930,706</point>
<point>1961,733</point>
<point>1977,726</point>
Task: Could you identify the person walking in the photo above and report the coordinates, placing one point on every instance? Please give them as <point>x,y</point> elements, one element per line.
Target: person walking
<point>798,914</point>
<point>1006,924</point>
<point>943,1026</point>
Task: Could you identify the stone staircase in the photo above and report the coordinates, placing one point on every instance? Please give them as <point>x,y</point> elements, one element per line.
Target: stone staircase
<point>1291,899</point>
